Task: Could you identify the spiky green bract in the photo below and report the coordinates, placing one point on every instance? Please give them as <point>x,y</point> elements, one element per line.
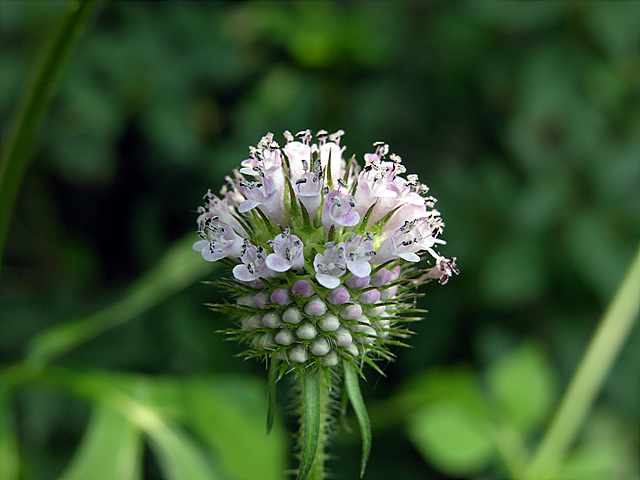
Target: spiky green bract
<point>352,387</point>
<point>375,333</point>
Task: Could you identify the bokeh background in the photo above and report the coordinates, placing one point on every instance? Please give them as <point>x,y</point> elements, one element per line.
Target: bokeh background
<point>524,120</point>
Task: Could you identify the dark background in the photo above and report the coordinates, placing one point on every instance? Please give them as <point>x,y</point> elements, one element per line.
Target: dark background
<point>523,119</point>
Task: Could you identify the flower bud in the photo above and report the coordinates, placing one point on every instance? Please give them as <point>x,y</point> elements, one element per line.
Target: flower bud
<point>306,331</point>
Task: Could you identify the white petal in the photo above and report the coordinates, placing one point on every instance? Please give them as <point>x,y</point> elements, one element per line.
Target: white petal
<point>327,280</point>
<point>409,256</point>
<point>200,244</point>
<point>359,269</point>
<point>241,272</point>
<point>247,205</point>
<point>277,263</point>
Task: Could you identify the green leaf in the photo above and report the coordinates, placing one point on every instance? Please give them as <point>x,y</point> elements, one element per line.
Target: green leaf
<point>111,448</point>
<point>523,385</point>
<point>179,456</point>
<point>227,412</point>
<point>352,386</point>
<point>311,422</point>
<point>604,450</point>
<point>454,438</point>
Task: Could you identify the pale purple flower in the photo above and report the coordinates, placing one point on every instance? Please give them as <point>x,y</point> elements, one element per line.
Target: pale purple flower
<point>263,194</point>
<point>287,253</point>
<point>331,265</point>
<point>253,266</point>
<point>339,211</point>
<point>299,155</point>
<point>219,240</point>
<point>358,251</point>
<point>306,290</point>
<point>413,236</point>
<point>308,190</point>
<point>265,161</point>
<point>375,183</point>
<point>223,208</point>
<point>332,153</point>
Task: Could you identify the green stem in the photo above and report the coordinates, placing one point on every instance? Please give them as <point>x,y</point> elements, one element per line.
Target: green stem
<point>317,469</point>
<point>27,120</point>
<point>314,425</point>
<point>607,342</point>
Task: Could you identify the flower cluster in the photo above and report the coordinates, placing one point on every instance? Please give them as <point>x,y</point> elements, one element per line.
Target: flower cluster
<point>324,251</point>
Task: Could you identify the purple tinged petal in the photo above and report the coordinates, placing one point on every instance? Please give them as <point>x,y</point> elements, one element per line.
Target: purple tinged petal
<point>277,263</point>
<point>296,152</point>
<point>241,272</point>
<point>339,210</point>
<point>261,300</point>
<point>381,277</point>
<point>330,266</point>
<point>327,281</point>
<point>356,283</point>
<point>349,219</point>
<point>338,296</point>
<point>200,245</point>
<point>359,269</point>
<point>369,297</point>
<point>409,256</point>
<point>351,312</point>
<point>248,205</point>
<point>315,307</point>
<point>280,296</point>
<point>303,288</point>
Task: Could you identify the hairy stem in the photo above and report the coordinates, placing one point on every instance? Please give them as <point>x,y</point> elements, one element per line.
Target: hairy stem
<point>314,424</point>
<point>607,342</point>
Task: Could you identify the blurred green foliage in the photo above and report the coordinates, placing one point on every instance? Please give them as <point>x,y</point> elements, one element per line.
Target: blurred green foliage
<point>523,118</point>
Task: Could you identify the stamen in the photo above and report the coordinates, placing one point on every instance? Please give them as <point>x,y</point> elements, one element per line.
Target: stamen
<point>335,137</point>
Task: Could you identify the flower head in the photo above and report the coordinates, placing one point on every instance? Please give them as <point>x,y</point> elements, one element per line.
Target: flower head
<point>324,252</point>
